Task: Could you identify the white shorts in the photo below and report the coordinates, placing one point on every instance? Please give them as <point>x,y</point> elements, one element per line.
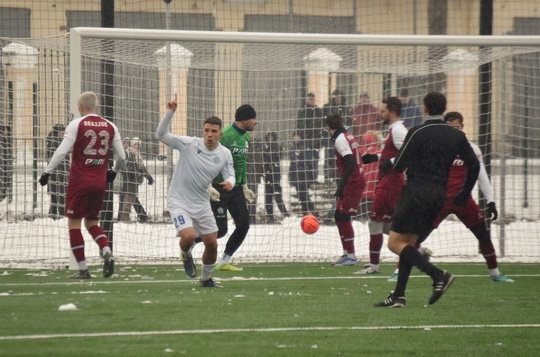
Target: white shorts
<point>203,221</point>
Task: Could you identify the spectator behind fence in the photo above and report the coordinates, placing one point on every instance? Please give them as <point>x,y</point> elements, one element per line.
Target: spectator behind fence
<point>301,173</point>
<point>310,125</point>
<point>59,177</point>
<point>272,177</point>
<point>134,174</point>
<point>6,163</point>
<point>255,171</point>
<point>410,113</point>
<point>365,117</point>
<point>370,143</point>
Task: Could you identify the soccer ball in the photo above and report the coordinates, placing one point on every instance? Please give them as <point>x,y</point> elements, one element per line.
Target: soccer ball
<point>309,224</point>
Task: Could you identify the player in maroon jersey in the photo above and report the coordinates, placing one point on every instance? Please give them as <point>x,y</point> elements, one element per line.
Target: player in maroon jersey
<point>91,138</point>
<point>390,182</point>
<point>350,186</point>
<point>470,214</point>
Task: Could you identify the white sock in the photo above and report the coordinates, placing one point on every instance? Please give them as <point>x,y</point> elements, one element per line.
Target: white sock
<point>351,256</point>
<point>494,272</point>
<point>375,266</point>
<point>82,265</point>
<point>106,250</point>
<point>396,271</point>
<point>207,271</point>
<point>224,259</point>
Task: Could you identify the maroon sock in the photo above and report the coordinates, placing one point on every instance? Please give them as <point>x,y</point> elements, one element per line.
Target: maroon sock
<point>100,237</point>
<point>346,234</point>
<point>375,246</point>
<point>488,251</point>
<point>76,241</point>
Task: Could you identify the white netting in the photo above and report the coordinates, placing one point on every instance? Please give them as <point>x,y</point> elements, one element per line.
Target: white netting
<point>213,78</point>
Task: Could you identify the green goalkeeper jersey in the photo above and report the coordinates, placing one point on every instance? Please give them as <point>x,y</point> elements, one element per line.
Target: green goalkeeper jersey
<point>238,142</point>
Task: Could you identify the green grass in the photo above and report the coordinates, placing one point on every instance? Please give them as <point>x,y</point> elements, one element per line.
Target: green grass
<point>267,310</point>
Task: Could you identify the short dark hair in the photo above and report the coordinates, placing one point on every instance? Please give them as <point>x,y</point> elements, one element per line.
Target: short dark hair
<point>393,104</point>
<point>213,120</point>
<point>435,103</point>
<point>310,95</point>
<point>404,92</point>
<point>451,116</point>
<point>334,121</point>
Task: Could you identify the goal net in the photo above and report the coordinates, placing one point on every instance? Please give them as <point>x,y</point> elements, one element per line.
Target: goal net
<point>136,72</point>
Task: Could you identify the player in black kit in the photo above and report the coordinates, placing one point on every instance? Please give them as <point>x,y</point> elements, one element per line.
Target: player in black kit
<point>426,156</point>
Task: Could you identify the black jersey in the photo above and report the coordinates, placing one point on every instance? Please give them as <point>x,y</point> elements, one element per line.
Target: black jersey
<point>430,149</point>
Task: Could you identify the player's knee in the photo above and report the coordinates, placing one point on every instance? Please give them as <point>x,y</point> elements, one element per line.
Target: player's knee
<point>211,245</point>
<point>341,217</point>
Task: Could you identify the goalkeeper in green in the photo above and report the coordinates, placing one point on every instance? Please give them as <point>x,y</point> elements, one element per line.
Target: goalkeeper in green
<point>237,139</point>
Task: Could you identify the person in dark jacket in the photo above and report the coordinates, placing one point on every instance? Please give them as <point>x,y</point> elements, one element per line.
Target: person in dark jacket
<point>59,177</point>
<point>311,126</point>
<point>427,155</point>
<point>133,175</point>
<point>272,177</point>
<point>301,173</point>
<point>410,112</point>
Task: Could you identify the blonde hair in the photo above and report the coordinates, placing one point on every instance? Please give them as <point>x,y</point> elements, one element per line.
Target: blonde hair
<point>88,100</point>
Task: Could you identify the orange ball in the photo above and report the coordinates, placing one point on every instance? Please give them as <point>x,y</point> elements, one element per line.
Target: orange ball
<point>309,224</point>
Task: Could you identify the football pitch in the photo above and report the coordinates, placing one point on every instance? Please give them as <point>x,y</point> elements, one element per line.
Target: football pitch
<point>288,309</point>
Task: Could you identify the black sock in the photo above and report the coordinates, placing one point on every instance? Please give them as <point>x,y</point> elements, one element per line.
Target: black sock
<point>421,263</point>
<point>405,268</point>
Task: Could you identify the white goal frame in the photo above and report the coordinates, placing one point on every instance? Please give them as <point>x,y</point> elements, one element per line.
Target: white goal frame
<point>78,33</point>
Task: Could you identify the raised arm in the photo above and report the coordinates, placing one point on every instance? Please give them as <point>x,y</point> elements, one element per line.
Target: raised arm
<point>162,132</point>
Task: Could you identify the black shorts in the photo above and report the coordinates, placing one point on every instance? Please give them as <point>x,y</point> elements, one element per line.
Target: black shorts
<point>419,204</point>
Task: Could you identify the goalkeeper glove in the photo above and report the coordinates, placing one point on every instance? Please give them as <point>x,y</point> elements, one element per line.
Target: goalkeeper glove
<point>370,158</point>
<point>150,179</point>
<point>492,211</point>
<point>250,195</point>
<point>111,175</point>
<point>214,194</point>
<point>44,179</point>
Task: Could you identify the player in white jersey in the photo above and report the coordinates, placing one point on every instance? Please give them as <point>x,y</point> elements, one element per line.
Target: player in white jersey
<point>201,160</point>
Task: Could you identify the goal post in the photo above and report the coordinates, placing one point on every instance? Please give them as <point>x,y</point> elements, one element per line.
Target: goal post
<point>212,73</point>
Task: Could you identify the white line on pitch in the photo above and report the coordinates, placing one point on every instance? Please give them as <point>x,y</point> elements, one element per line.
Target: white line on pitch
<point>238,278</point>
<point>277,329</point>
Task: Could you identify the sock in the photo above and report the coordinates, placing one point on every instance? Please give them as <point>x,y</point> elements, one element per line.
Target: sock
<point>422,263</point>
<point>486,245</point>
<point>375,246</point>
<point>105,250</point>
<point>76,241</point>
<point>406,264</point>
<point>82,265</point>
<point>207,270</point>
<point>100,237</point>
<point>225,258</point>
<point>346,234</point>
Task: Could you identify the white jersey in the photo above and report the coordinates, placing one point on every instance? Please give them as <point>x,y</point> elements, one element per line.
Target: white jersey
<point>196,168</point>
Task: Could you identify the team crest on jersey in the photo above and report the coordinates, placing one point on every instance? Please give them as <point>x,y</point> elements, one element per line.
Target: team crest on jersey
<point>215,159</point>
